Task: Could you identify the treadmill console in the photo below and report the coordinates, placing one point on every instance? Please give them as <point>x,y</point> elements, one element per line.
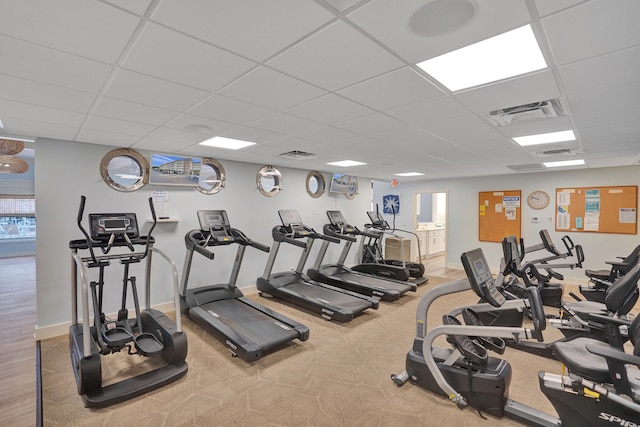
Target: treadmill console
<point>103,226</point>
<point>292,222</point>
<point>339,223</point>
<point>480,278</point>
<point>216,223</point>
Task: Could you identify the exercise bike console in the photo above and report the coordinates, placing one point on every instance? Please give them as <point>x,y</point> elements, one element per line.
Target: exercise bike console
<point>480,278</point>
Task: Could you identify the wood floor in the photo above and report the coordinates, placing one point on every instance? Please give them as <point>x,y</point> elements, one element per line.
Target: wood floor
<point>18,348</point>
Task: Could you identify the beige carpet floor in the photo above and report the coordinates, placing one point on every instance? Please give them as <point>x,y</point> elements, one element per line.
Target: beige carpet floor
<point>339,377</point>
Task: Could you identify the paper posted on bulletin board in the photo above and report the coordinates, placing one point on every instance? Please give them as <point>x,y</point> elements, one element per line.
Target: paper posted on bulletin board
<point>603,209</point>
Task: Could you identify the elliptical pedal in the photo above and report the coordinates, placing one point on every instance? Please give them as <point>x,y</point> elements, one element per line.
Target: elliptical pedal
<point>148,345</point>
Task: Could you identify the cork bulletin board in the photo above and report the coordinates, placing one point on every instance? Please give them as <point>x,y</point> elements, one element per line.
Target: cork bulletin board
<point>597,209</point>
<point>499,215</point>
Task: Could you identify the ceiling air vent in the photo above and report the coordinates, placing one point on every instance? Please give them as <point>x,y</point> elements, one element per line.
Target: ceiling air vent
<point>527,168</point>
<point>556,153</point>
<point>297,155</point>
<point>551,108</point>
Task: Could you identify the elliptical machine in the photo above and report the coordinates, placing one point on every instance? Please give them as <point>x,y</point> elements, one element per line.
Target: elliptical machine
<point>150,333</point>
<point>467,375</point>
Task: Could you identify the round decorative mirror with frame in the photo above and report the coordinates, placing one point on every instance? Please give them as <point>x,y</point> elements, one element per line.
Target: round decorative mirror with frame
<point>269,181</point>
<point>212,176</point>
<point>351,196</point>
<point>315,184</point>
<point>124,169</point>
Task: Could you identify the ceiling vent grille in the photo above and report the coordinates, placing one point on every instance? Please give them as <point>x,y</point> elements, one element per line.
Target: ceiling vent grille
<point>297,155</point>
<point>549,109</point>
<point>531,167</point>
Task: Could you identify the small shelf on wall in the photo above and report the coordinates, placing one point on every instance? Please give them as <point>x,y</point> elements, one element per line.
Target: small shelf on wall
<point>164,220</point>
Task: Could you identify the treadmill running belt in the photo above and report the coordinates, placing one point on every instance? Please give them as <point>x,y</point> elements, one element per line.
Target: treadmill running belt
<point>250,323</point>
<point>329,296</point>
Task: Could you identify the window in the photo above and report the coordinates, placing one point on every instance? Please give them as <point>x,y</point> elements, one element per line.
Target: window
<point>17,216</point>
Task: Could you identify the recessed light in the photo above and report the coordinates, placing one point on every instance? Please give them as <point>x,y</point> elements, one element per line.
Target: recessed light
<point>408,174</point>
<point>346,163</point>
<point>506,55</point>
<point>564,163</point>
<point>228,143</point>
<point>545,138</point>
<point>13,138</point>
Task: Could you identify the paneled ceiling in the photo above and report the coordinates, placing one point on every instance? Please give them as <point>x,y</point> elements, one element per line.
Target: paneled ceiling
<point>336,78</point>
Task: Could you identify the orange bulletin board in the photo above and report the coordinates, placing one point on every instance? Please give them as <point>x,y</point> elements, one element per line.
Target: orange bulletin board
<point>597,209</point>
<point>499,215</point>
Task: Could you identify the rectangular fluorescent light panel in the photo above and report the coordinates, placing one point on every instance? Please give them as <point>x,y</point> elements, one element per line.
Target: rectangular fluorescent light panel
<point>409,174</point>
<point>564,163</point>
<point>545,138</point>
<point>346,163</point>
<point>228,143</point>
<point>506,55</point>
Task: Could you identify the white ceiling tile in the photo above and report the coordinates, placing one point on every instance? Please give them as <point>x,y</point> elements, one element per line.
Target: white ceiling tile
<point>388,22</point>
<point>216,127</point>
<point>158,145</point>
<point>534,87</point>
<point>592,29</point>
<point>139,7</point>
<point>285,124</point>
<point>271,89</point>
<point>370,125</point>
<point>602,107</point>
<point>253,28</point>
<point>329,109</point>
<point>342,5</point>
<point>131,111</point>
<point>122,127</point>
<point>622,128</point>
<point>289,143</point>
<point>167,54</point>
<point>613,143</point>
<point>33,128</point>
<point>41,114</point>
<point>46,95</point>
<point>86,28</point>
<point>32,62</point>
<point>613,69</point>
<point>408,137</point>
<point>330,135</point>
<point>250,134</point>
<point>94,136</point>
<point>399,87</point>
<point>134,87</point>
<point>429,112</point>
<point>180,139</point>
<point>231,110</point>
<point>547,7</point>
<point>335,57</point>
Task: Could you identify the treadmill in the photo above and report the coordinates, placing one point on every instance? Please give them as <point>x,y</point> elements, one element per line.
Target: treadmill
<point>342,276</point>
<point>331,302</point>
<point>248,328</point>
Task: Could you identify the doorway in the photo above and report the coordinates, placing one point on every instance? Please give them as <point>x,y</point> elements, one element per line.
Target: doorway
<point>430,224</point>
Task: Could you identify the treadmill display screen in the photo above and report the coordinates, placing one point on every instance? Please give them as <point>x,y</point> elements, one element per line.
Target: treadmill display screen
<point>336,217</point>
<point>289,217</point>
<point>211,218</point>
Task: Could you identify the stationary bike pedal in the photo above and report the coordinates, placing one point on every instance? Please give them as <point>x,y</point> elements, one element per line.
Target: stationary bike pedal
<point>147,345</point>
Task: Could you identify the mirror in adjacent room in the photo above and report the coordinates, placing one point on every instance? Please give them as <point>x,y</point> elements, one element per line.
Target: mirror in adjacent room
<point>269,181</point>
<point>212,177</point>
<point>430,224</point>
<point>124,169</point>
<point>352,194</point>
<point>315,184</point>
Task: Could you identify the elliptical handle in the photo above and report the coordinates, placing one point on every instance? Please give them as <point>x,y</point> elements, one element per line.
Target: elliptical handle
<point>155,221</point>
<point>83,200</point>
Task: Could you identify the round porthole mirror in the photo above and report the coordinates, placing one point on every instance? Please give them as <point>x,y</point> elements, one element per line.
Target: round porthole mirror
<point>212,177</point>
<point>124,169</point>
<point>352,195</point>
<point>269,181</point>
<point>315,184</point>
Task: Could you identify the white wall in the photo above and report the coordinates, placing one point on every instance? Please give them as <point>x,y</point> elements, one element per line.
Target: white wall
<point>462,225</point>
<point>66,170</point>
